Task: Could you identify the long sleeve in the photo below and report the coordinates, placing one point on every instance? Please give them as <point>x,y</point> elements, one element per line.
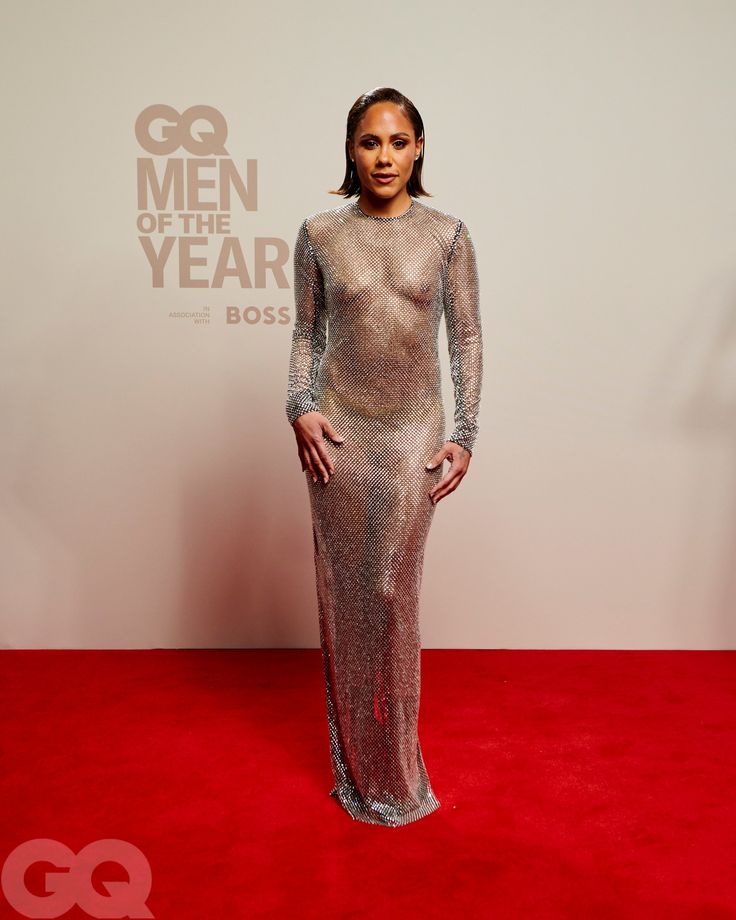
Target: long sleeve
<point>464,336</point>
<point>310,328</point>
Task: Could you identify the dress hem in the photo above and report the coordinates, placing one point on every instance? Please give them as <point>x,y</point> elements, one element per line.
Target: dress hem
<point>431,805</point>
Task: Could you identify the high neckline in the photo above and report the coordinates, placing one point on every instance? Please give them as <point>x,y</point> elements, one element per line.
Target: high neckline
<point>380,217</point>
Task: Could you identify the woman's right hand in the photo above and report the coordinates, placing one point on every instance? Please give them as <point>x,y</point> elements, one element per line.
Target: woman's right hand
<point>310,429</point>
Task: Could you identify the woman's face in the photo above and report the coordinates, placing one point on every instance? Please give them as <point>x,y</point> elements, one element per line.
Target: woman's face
<point>384,144</point>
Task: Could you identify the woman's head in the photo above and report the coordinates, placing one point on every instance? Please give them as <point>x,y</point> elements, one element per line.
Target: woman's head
<point>385,135</point>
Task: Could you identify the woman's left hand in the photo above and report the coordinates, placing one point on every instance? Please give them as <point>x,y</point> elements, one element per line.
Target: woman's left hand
<point>459,458</point>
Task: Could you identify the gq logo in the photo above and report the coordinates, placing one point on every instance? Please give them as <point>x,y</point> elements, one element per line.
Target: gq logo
<point>177,130</point>
<point>70,882</point>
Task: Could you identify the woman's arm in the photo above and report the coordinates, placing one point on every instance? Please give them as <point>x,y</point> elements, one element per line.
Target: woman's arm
<point>464,336</point>
<point>310,328</point>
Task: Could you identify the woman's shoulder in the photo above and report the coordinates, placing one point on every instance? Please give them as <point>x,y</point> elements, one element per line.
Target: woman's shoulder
<point>316,220</point>
<point>447,227</point>
<point>443,219</point>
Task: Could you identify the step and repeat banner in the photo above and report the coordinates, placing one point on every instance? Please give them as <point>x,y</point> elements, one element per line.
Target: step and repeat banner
<point>158,161</point>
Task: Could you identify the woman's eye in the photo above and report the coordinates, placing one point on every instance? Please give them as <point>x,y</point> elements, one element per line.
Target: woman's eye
<point>371,143</point>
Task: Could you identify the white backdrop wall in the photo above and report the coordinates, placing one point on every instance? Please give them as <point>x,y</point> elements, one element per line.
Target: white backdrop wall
<point>151,491</point>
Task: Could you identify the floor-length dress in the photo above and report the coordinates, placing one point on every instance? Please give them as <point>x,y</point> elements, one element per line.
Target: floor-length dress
<point>369,293</point>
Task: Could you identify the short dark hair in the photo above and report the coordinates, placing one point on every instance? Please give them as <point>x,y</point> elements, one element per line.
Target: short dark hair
<point>350,183</point>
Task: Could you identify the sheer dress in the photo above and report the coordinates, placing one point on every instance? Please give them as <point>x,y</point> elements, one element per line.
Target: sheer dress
<point>370,293</point>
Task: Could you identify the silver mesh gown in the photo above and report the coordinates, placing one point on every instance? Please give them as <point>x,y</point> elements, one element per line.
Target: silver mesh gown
<point>369,296</point>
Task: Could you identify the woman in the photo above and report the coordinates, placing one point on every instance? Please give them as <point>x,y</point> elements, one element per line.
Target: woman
<point>372,279</point>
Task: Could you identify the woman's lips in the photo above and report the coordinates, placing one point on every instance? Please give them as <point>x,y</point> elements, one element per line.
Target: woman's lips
<point>384,180</point>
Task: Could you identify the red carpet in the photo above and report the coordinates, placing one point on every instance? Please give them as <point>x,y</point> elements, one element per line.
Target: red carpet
<point>574,784</point>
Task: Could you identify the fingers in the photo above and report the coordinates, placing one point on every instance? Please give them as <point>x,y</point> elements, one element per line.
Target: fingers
<point>438,458</point>
<point>322,459</point>
<point>306,461</point>
<point>313,465</point>
<point>447,484</point>
<point>316,459</point>
<point>459,458</point>
<point>312,447</point>
<point>331,433</point>
<point>309,458</point>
